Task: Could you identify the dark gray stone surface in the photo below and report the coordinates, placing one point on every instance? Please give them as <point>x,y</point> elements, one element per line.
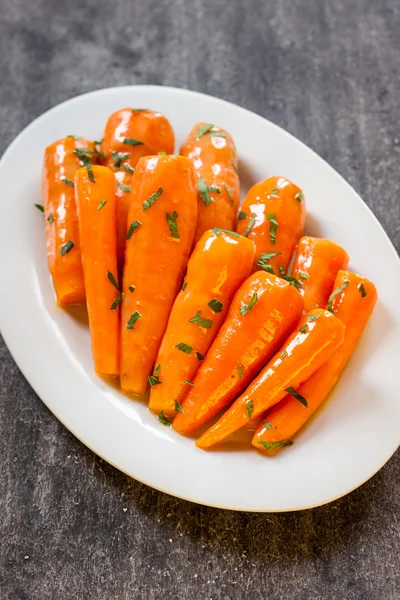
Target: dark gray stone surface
<point>71,526</point>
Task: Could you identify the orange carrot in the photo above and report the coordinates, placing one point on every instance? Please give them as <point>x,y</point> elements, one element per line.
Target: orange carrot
<point>95,200</point>
<point>61,161</point>
<point>162,220</point>
<point>307,349</point>
<point>213,153</point>
<point>218,266</point>
<point>316,265</point>
<point>353,302</point>
<point>273,216</point>
<point>243,346</point>
<point>129,134</point>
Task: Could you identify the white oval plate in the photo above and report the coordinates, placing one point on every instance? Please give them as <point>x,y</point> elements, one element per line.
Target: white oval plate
<point>347,443</point>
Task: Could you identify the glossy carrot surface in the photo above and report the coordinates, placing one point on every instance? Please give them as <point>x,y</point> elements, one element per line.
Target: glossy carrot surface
<point>61,161</point>
<point>130,134</point>
<point>306,350</point>
<point>243,346</point>
<point>213,153</point>
<point>273,216</point>
<point>353,305</point>
<point>162,221</point>
<point>316,266</point>
<point>95,199</point>
<point>218,266</point>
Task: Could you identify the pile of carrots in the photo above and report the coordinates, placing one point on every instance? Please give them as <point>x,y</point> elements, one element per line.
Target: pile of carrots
<point>190,295</point>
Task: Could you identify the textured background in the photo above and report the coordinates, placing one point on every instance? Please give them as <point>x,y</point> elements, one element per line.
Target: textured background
<point>71,526</point>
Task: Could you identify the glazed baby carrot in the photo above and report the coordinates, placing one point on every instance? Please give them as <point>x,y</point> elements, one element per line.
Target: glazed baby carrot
<point>95,200</point>
<point>213,153</point>
<point>306,350</point>
<point>273,216</point>
<point>316,265</point>
<point>263,313</point>
<point>61,161</point>
<point>218,266</point>
<point>353,302</point>
<point>162,221</point>
<point>129,134</point>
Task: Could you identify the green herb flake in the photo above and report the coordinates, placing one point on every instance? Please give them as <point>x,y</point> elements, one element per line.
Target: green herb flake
<point>139,110</point>
<point>173,225</point>
<point>163,419</point>
<point>124,188</point>
<point>274,445</point>
<point>250,225</point>
<point>303,276</point>
<point>132,142</point>
<point>299,196</point>
<point>116,302</point>
<point>98,142</point>
<point>283,354</point>
<point>204,190</point>
<point>50,218</point>
<point>184,347</point>
<point>247,308</point>
<point>66,248</point>
<point>199,356</point>
<point>311,318</point>
<point>131,288</point>
<point>101,204</point>
<point>230,194</point>
<point>338,290</point>
<point>273,226</point>
<point>184,286</point>
<point>242,215</point>
<point>119,158</point>
<point>40,207</point>
<point>178,407</point>
<point>215,305</point>
<point>157,370</point>
<point>133,226</point>
<point>267,425</point>
<point>202,129</point>
<point>240,371</point>
<point>68,182</point>
<point>263,261</point>
<point>282,270</point>
<point>274,193</point>
<point>198,320</point>
<point>188,382</point>
<point>152,198</point>
<point>362,290</point>
<point>132,320</point>
<point>293,281</point>
<point>128,169</point>
<point>292,391</point>
<point>303,329</point>
<point>90,173</point>
<point>153,380</point>
<point>112,280</point>
<point>82,154</point>
<point>218,231</point>
<point>216,134</point>
<point>249,408</point>
<point>161,153</point>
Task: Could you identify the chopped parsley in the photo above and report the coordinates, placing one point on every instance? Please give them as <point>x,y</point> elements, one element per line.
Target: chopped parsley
<point>198,320</point>
<point>299,397</point>
<point>247,308</point>
<point>215,305</point>
<point>152,198</point>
